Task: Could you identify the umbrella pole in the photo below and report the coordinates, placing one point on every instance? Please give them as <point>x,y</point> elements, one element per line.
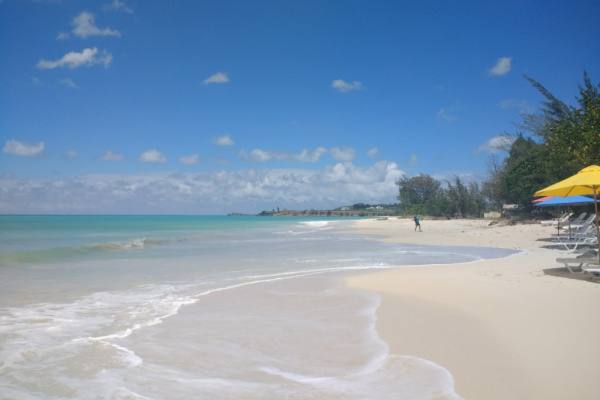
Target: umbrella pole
<point>558,222</point>
<point>597,227</point>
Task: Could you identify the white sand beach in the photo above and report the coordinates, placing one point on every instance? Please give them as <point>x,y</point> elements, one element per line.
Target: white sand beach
<point>521,327</point>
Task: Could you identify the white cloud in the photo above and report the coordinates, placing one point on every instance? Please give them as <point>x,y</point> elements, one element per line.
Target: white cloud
<point>117,5</point>
<point>258,155</point>
<point>444,116</point>
<point>310,156</point>
<point>72,60</point>
<point>342,154</point>
<point>413,160</point>
<point>68,82</point>
<point>62,36</point>
<point>496,144</point>
<point>110,156</point>
<point>152,156</point>
<point>502,66</point>
<point>71,153</point>
<point>212,192</point>
<point>219,77</point>
<point>21,149</point>
<point>191,159</point>
<point>522,105</point>
<point>84,26</point>
<point>223,141</point>
<point>343,86</point>
<point>373,152</point>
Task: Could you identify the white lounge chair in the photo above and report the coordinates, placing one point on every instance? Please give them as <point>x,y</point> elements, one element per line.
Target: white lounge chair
<point>594,271</point>
<point>574,243</point>
<point>583,262</point>
<point>577,225</point>
<point>557,221</point>
<point>579,218</point>
<point>582,232</point>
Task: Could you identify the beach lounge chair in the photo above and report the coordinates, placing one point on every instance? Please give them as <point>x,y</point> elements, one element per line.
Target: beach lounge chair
<point>579,218</point>
<point>557,221</point>
<point>574,243</point>
<point>579,233</point>
<point>581,224</point>
<point>594,271</point>
<point>586,261</point>
<point>573,222</point>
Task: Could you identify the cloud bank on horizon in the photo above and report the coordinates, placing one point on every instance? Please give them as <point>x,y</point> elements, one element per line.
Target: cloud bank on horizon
<point>212,192</point>
<point>108,107</point>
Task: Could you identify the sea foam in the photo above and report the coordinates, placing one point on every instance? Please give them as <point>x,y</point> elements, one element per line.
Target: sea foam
<point>161,307</point>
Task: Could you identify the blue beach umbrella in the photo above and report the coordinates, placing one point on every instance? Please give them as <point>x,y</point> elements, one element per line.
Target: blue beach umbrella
<point>566,201</point>
<point>586,181</point>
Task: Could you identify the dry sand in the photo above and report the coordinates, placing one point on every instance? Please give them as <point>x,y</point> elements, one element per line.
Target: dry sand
<point>521,327</point>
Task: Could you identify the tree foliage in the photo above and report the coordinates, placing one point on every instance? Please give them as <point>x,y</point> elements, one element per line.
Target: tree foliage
<point>418,191</point>
<point>567,139</point>
<point>458,194</point>
<point>492,189</point>
<point>525,170</point>
<point>424,194</point>
<point>564,139</point>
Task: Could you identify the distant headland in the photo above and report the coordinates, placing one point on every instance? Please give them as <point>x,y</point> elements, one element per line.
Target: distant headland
<point>356,210</point>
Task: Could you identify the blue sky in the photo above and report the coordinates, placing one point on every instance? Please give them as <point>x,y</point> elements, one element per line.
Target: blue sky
<point>211,107</point>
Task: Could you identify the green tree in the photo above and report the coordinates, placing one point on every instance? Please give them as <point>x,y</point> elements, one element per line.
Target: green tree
<point>493,188</point>
<point>567,139</point>
<point>458,194</point>
<point>440,206</point>
<point>417,191</point>
<point>575,140</point>
<point>476,201</point>
<point>525,170</point>
<point>571,135</point>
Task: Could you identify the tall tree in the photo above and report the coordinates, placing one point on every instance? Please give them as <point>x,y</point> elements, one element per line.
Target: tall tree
<point>525,170</point>
<point>417,191</point>
<point>477,201</point>
<point>554,110</point>
<point>458,194</point>
<point>574,142</point>
<point>572,135</point>
<point>567,139</point>
<point>493,189</point>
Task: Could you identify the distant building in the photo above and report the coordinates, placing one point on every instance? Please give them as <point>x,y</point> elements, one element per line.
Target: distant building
<point>511,209</point>
<point>492,215</point>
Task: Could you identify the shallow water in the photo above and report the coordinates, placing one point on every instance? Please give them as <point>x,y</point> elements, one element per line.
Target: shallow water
<point>201,307</point>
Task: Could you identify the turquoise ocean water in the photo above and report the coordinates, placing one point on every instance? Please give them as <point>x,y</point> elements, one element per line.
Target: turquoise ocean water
<point>201,307</point>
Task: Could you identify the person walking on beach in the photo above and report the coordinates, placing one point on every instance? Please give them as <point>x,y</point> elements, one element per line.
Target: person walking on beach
<point>417,223</point>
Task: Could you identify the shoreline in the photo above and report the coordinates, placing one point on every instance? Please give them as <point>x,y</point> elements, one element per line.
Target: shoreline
<point>520,327</point>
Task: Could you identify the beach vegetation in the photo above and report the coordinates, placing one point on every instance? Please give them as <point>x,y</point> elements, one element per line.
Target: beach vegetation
<point>467,199</point>
<point>426,195</point>
<point>552,144</point>
<point>526,170</point>
<point>418,190</point>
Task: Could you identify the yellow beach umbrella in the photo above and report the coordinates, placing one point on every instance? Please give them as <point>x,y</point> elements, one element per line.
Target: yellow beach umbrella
<point>586,181</point>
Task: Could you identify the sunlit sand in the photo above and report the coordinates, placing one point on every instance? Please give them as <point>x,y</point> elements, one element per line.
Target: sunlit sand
<point>521,327</point>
